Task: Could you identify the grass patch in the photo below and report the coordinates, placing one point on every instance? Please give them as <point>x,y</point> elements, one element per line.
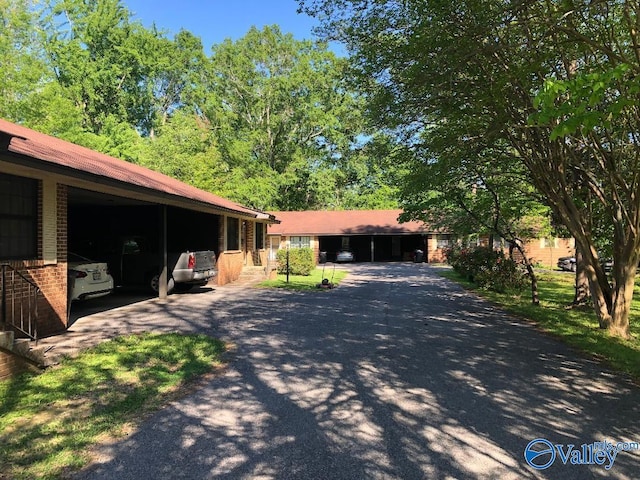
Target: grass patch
<point>310,282</point>
<point>49,421</point>
<point>577,327</point>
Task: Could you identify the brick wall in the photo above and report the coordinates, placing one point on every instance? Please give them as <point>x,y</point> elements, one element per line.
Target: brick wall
<point>229,266</point>
<point>547,252</point>
<point>50,276</point>
<point>11,364</point>
<point>435,254</point>
<point>251,258</point>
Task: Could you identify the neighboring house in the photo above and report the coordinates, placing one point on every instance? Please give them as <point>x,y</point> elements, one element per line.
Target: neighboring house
<point>55,195</point>
<point>544,251</point>
<point>372,235</point>
<point>378,236</point>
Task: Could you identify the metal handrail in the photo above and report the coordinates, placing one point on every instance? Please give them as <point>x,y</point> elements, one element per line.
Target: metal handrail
<point>24,318</point>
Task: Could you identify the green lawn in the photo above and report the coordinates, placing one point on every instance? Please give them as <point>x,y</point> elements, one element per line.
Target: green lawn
<point>577,327</point>
<point>310,282</point>
<point>49,422</point>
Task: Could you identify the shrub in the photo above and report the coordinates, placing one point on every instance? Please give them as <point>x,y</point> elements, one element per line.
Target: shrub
<point>487,268</point>
<point>301,261</point>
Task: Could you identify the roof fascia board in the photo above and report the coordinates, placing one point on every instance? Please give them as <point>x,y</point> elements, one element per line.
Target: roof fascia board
<point>77,178</point>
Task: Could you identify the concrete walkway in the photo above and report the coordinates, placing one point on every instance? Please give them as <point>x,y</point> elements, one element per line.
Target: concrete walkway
<point>396,374</point>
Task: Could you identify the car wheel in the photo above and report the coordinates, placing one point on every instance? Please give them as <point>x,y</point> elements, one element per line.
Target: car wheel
<point>573,267</point>
<point>154,283</point>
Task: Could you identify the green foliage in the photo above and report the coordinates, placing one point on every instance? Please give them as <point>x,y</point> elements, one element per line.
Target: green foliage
<point>572,325</point>
<point>307,282</point>
<point>487,268</point>
<point>24,70</point>
<point>267,120</point>
<point>587,101</point>
<point>283,113</point>
<point>49,421</point>
<point>300,262</point>
<point>549,87</point>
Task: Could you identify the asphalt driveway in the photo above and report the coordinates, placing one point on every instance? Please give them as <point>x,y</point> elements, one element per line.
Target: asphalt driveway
<point>396,374</point>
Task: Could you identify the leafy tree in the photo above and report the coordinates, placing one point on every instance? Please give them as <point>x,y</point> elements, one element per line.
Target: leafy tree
<point>24,72</point>
<point>470,187</point>
<point>98,56</point>
<point>176,69</point>
<point>184,148</point>
<point>281,111</point>
<point>429,61</point>
<point>267,121</point>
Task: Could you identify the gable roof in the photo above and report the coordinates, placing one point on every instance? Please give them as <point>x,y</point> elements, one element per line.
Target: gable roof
<point>51,151</point>
<point>345,222</point>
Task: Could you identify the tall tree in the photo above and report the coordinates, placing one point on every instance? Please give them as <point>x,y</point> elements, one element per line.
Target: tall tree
<point>430,60</point>
<point>176,68</point>
<point>99,58</point>
<point>24,72</point>
<point>282,113</point>
<point>461,183</point>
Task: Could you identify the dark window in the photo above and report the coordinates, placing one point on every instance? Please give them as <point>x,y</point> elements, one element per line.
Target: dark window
<point>233,234</point>
<point>259,235</point>
<point>18,217</point>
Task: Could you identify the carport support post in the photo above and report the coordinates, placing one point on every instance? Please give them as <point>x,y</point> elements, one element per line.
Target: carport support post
<point>162,287</point>
<point>373,249</point>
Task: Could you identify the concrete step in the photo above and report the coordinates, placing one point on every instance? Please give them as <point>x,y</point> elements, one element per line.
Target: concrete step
<point>6,340</point>
<point>250,275</point>
<point>24,348</point>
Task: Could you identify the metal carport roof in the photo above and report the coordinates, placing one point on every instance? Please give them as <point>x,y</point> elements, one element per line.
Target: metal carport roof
<point>85,168</point>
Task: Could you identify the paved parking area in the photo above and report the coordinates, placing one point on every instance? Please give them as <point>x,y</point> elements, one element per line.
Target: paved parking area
<point>396,374</point>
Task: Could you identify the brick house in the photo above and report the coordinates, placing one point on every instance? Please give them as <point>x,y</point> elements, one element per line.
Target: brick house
<point>377,235</point>
<point>50,188</point>
<point>372,235</point>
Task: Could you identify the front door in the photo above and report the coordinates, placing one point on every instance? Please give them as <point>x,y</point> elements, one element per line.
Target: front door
<point>274,245</point>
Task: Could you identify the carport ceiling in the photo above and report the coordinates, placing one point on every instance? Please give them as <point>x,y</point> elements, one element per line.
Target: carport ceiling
<point>81,197</point>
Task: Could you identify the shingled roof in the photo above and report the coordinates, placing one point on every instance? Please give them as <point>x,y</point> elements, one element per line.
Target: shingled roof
<point>54,151</point>
<point>345,222</point>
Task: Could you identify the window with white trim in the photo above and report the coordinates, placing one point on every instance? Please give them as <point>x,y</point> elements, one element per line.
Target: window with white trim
<point>443,241</point>
<point>300,242</point>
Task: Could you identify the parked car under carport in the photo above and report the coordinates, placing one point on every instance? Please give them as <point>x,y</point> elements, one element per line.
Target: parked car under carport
<point>87,278</point>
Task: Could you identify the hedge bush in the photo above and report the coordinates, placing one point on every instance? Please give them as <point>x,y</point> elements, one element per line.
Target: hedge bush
<point>301,261</point>
<point>487,268</point>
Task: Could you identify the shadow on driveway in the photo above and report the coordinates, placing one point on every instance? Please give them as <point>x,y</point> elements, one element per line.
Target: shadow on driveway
<point>395,374</point>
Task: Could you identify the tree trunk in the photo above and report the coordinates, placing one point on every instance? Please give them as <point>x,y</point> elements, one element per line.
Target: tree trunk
<point>535,297</point>
<point>618,324</point>
<point>581,294</point>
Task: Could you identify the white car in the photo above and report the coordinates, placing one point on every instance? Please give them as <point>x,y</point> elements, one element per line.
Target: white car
<point>567,264</point>
<point>87,279</point>
<point>345,256</point>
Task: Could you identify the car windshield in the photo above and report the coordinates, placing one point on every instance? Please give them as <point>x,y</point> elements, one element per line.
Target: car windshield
<point>74,257</point>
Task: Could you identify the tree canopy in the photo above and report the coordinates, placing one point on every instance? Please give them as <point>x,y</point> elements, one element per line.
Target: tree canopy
<point>267,120</point>
<point>555,82</point>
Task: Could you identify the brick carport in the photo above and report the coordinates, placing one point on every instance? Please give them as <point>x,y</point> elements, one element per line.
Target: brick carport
<point>61,171</point>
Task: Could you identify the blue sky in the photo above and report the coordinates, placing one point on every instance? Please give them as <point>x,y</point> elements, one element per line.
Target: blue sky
<point>215,20</point>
